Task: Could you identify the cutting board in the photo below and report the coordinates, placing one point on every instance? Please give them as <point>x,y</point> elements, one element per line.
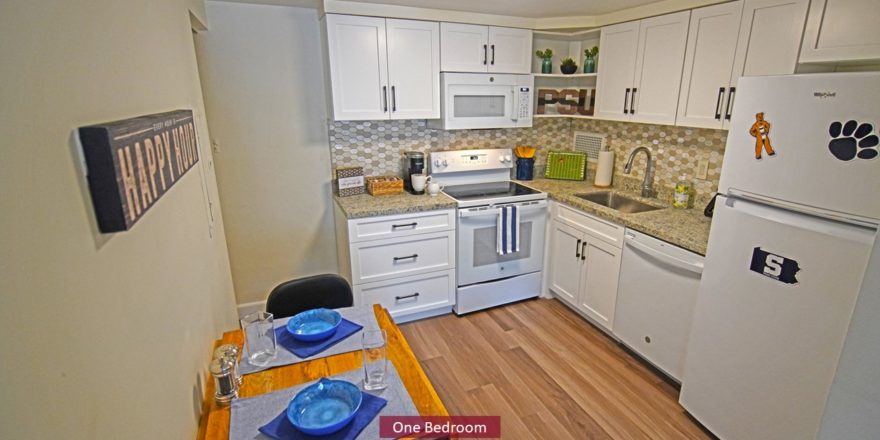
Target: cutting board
<point>566,165</point>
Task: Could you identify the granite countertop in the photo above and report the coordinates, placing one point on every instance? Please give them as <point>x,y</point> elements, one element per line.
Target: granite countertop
<point>687,228</point>
<point>365,205</point>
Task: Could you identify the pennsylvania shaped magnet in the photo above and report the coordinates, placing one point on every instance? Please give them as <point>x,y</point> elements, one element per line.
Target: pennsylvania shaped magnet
<point>774,266</point>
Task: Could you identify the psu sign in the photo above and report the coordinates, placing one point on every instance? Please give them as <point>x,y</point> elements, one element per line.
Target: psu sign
<point>774,266</point>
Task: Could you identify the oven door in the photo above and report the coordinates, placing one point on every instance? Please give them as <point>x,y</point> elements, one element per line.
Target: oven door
<point>478,260</point>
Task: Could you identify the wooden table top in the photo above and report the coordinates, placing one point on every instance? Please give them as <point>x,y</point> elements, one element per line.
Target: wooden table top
<point>214,424</point>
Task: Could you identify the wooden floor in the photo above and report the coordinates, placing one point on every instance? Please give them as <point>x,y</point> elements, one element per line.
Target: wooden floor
<point>547,373</point>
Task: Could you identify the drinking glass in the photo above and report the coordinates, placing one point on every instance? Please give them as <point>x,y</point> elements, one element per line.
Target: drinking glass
<point>259,338</point>
<point>375,359</point>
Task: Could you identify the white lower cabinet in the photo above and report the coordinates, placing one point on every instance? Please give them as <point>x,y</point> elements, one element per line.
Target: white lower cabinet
<point>404,262</point>
<point>584,263</point>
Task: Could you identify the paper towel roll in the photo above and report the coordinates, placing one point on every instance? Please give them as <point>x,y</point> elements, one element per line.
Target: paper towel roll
<point>605,169</point>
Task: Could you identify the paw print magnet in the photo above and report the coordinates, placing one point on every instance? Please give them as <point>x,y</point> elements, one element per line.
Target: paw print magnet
<point>852,140</point>
<point>761,132</point>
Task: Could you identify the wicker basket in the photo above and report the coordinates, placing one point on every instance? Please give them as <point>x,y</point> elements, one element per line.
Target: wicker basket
<point>384,185</point>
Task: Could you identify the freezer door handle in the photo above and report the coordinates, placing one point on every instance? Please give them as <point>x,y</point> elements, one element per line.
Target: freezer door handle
<point>696,268</point>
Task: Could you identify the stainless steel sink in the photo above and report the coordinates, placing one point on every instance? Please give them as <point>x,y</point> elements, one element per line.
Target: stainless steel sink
<point>617,202</point>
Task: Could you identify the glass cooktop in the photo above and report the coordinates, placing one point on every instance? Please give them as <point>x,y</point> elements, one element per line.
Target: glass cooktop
<point>491,190</point>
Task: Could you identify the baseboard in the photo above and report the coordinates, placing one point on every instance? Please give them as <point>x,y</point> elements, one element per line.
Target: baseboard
<point>246,308</point>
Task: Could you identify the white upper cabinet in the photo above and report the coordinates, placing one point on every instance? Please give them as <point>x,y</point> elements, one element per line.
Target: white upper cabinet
<point>640,64</point>
<point>708,63</point>
<point>763,36</point>
<point>414,69</point>
<point>510,50</point>
<point>617,62</point>
<point>358,67</point>
<point>659,62</point>
<point>840,31</point>
<point>383,69</point>
<point>475,48</point>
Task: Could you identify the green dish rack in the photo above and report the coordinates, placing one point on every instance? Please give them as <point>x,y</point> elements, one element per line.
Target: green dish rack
<point>566,165</point>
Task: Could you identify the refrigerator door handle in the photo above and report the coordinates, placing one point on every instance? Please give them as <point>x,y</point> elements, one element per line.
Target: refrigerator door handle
<point>696,268</point>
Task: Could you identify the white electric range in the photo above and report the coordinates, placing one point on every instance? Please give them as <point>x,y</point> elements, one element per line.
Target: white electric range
<point>479,180</point>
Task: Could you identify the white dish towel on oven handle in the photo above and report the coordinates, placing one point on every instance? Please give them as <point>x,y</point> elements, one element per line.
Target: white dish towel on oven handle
<point>508,230</point>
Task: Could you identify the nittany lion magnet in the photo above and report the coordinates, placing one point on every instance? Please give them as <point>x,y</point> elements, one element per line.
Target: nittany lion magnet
<point>761,132</point>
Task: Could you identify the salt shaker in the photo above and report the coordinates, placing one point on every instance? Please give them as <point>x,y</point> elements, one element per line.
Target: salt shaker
<point>223,370</point>
<point>230,351</point>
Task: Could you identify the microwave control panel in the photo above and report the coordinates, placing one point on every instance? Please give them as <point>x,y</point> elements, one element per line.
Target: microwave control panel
<point>525,103</point>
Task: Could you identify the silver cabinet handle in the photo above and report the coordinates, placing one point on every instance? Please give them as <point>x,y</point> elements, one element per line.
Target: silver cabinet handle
<point>405,225</point>
<point>393,100</point>
<point>384,99</point>
<point>718,104</point>
<point>414,295</point>
<point>730,102</point>
<point>632,102</point>
<point>408,257</point>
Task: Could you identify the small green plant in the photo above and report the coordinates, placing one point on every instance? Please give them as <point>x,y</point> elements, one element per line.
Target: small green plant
<point>567,61</point>
<point>546,53</point>
<point>591,53</point>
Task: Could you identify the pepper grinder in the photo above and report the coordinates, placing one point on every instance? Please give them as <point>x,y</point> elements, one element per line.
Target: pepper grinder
<point>230,351</point>
<point>223,370</point>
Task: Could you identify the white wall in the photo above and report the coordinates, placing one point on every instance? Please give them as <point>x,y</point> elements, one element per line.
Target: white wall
<point>103,336</point>
<point>264,93</point>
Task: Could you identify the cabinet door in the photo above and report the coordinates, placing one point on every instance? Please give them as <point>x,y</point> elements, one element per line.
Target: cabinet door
<point>659,63</point>
<point>565,261</point>
<point>464,47</point>
<point>358,67</point>
<point>708,64</point>
<point>598,293</point>
<point>842,31</point>
<point>510,50</point>
<point>414,69</point>
<point>617,63</point>
<point>769,41</point>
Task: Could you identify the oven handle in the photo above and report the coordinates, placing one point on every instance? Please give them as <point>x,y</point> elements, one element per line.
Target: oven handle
<point>465,213</point>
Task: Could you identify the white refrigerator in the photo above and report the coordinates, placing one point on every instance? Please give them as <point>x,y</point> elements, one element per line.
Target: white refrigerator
<point>790,241</point>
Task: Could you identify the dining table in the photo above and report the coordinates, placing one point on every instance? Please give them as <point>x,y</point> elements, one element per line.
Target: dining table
<point>214,424</point>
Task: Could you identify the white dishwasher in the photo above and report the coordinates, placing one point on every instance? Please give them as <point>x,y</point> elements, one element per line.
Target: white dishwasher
<point>656,295</point>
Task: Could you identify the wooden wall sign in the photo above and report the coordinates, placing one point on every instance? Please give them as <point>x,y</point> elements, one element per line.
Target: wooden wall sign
<point>132,163</point>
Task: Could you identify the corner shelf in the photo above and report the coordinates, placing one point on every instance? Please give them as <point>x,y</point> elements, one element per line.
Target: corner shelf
<point>562,75</point>
<point>564,116</point>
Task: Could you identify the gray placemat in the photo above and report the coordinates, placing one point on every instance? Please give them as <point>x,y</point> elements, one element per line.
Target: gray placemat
<point>248,415</point>
<point>359,315</point>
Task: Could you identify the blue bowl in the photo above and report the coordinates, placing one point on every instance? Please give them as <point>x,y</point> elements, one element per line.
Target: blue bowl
<point>314,325</point>
<point>324,407</point>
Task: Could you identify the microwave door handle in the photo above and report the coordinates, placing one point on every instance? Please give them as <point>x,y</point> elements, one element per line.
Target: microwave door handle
<point>514,103</point>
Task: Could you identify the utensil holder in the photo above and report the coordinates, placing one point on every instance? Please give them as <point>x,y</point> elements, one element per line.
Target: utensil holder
<point>525,168</point>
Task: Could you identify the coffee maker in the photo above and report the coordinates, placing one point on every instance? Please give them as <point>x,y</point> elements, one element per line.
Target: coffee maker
<point>413,163</point>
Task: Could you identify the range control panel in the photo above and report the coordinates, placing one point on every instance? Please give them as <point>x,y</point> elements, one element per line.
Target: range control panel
<point>471,160</point>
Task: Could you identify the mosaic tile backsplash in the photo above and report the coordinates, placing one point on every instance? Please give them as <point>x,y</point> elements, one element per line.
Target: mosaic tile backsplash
<point>378,146</point>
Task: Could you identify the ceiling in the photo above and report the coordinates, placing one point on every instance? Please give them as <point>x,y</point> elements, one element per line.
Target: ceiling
<point>521,8</point>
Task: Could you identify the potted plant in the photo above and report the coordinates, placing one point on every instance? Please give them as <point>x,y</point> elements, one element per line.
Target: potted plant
<point>568,66</point>
<point>547,56</point>
<point>590,59</point>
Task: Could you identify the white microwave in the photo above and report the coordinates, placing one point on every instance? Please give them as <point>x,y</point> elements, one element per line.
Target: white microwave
<point>484,100</point>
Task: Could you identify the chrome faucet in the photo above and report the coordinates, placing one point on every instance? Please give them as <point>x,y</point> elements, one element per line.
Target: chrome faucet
<point>648,183</point>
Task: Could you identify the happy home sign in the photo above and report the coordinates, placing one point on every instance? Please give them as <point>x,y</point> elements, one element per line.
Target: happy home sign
<point>132,163</point>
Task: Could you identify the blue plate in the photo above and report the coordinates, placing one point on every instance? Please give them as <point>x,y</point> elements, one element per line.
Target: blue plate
<point>314,325</point>
<point>324,407</point>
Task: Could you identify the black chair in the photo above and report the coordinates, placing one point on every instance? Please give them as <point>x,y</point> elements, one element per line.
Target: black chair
<point>328,291</point>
